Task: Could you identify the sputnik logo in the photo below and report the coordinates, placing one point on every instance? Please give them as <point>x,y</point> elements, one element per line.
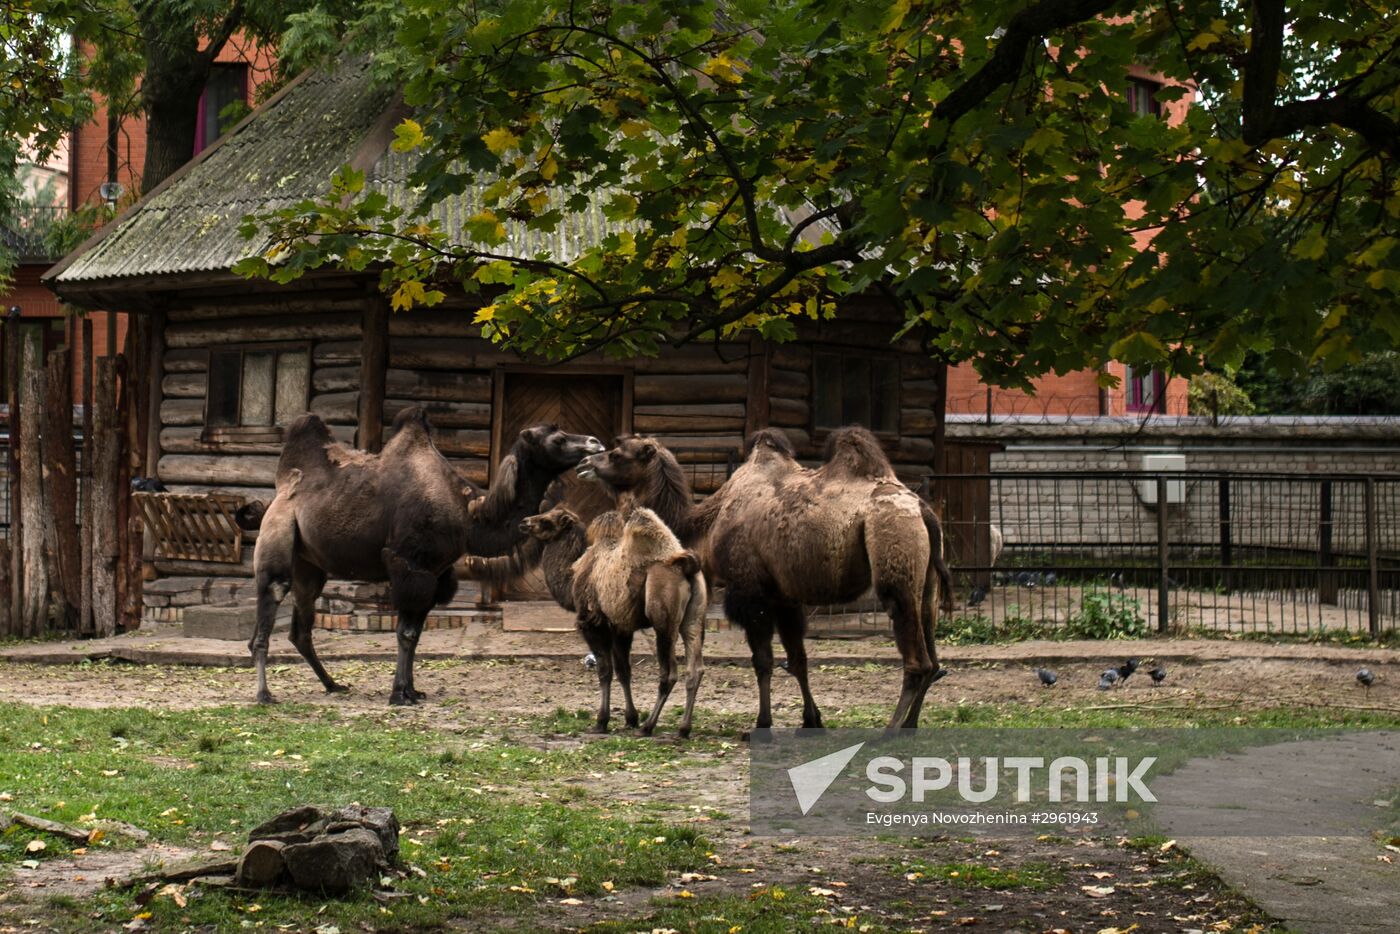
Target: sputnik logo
<point>810,780</point>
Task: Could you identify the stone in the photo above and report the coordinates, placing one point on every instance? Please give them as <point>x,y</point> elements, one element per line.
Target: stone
<point>295,825</point>
<point>262,864</point>
<point>228,622</point>
<point>334,863</point>
<point>379,820</point>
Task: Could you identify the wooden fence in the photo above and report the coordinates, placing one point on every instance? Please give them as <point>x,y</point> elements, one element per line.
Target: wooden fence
<point>70,560</point>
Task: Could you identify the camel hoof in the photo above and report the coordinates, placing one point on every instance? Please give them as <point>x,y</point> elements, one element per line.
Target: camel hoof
<point>683,732</point>
<point>335,688</point>
<point>265,698</point>
<point>416,694</point>
<point>759,735</point>
<point>648,729</point>
<point>402,700</point>
<point>633,722</point>
<point>598,729</point>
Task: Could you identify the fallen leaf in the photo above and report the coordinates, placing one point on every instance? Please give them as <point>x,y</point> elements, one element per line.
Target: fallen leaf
<point>94,836</point>
<point>35,845</point>
<point>1097,891</point>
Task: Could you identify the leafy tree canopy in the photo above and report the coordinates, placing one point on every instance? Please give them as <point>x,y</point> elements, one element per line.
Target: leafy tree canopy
<point>977,163</point>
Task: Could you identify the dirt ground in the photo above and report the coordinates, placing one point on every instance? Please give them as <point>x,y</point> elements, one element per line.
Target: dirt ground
<point>1090,883</point>
<point>482,692</point>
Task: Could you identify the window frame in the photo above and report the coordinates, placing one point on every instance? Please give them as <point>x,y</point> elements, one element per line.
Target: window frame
<point>216,434</point>
<point>1149,87</point>
<point>876,358</point>
<point>1132,400</point>
<point>204,116</point>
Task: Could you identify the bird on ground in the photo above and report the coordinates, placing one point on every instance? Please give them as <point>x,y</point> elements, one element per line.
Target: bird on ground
<point>1108,679</point>
<point>1118,581</point>
<point>1159,674</point>
<point>1046,676</point>
<point>1126,669</point>
<point>590,661</point>
<point>1365,678</point>
<point>1050,578</point>
<point>977,596</point>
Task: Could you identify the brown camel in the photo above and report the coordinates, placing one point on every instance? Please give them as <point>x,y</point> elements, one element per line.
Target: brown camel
<point>779,536</point>
<point>635,575</point>
<point>402,516</point>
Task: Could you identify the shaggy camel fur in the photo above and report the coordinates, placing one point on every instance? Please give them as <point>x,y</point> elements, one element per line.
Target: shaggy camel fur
<point>402,516</point>
<point>780,536</point>
<point>635,575</point>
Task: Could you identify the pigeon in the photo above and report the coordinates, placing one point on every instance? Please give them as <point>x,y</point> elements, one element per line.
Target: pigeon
<point>1365,678</point>
<point>1126,669</point>
<point>1050,578</point>
<point>1046,676</point>
<point>1108,679</point>
<point>977,596</point>
<point>783,664</point>
<point>147,485</point>
<point>1118,581</point>
<point>590,661</point>
<point>1159,674</point>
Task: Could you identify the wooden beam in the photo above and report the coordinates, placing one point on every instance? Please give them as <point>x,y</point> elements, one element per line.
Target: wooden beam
<point>12,362</point>
<point>61,487</point>
<point>34,596</point>
<point>756,408</point>
<point>374,366</point>
<point>86,624</point>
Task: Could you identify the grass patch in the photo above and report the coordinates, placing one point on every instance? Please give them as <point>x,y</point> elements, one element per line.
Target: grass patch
<point>769,910</point>
<point>1032,876</point>
<point>484,830</point>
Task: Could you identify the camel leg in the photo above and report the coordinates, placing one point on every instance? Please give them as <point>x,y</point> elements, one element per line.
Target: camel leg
<point>792,630</point>
<point>622,667</point>
<point>271,590</point>
<point>669,675</point>
<point>598,635</point>
<point>918,666</point>
<point>307,583</point>
<point>926,613</point>
<point>445,589</point>
<point>408,630</point>
<point>758,630</point>
<point>693,635</point>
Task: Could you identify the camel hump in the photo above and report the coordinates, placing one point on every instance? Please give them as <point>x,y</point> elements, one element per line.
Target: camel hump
<point>774,439</point>
<point>854,452</point>
<point>304,446</point>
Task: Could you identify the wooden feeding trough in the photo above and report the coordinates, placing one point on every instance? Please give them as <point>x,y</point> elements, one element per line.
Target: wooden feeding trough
<point>193,526</point>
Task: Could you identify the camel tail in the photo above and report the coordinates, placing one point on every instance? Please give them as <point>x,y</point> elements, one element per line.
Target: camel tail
<point>694,618</point>
<point>938,573</point>
<point>504,569</point>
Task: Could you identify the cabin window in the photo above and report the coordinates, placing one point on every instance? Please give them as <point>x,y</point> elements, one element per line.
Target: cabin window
<point>1142,97</point>
<point>256,388</point>
<point>855,389</point>
<point>1146,390</point>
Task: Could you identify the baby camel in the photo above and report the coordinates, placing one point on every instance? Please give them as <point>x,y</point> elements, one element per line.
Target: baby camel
<point>635,575</point>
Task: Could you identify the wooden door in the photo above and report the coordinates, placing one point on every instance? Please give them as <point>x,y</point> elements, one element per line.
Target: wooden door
<point>586,405</point>
<point>966,500</point>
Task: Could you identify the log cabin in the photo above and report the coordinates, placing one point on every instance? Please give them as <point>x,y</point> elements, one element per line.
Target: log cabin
<point>224,364</point>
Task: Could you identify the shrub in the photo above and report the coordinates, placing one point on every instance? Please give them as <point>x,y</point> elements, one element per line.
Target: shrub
<point>1106,615</point>
<point>1217,394</point>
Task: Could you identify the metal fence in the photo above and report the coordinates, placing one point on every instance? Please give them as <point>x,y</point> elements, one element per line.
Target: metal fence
<point>1098,553</point>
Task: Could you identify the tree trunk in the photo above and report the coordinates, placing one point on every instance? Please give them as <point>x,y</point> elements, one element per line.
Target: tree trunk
<point>170,92</point>
<point>61,490</point>
<point>34,601</point>
<point>105,449</point>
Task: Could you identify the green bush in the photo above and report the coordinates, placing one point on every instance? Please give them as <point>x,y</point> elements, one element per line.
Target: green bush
<point>1217,394</point>
<point>1104,614</point>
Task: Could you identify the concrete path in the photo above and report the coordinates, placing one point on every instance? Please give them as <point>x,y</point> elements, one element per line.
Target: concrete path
<point>1311,810</point>
<point>165,645</point>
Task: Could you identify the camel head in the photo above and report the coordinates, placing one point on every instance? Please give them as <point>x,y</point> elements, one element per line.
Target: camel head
<point>550,447</point>
<point>548,526</point>
<point>624,467</point>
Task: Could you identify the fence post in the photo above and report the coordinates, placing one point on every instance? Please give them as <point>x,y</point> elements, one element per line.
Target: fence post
<point>1326,582</point>
<point>1163,598</point>
<point>12,366</point>
<point>1373,583</point>
<point>1226,533</point>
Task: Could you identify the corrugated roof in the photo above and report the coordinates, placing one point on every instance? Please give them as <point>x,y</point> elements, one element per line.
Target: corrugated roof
<point>286,152</point>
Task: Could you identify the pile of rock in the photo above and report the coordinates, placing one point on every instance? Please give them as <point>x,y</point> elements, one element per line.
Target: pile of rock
<point>322,850</point>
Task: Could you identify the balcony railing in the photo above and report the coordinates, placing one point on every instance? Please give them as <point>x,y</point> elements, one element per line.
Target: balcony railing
<point>25,232</point>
